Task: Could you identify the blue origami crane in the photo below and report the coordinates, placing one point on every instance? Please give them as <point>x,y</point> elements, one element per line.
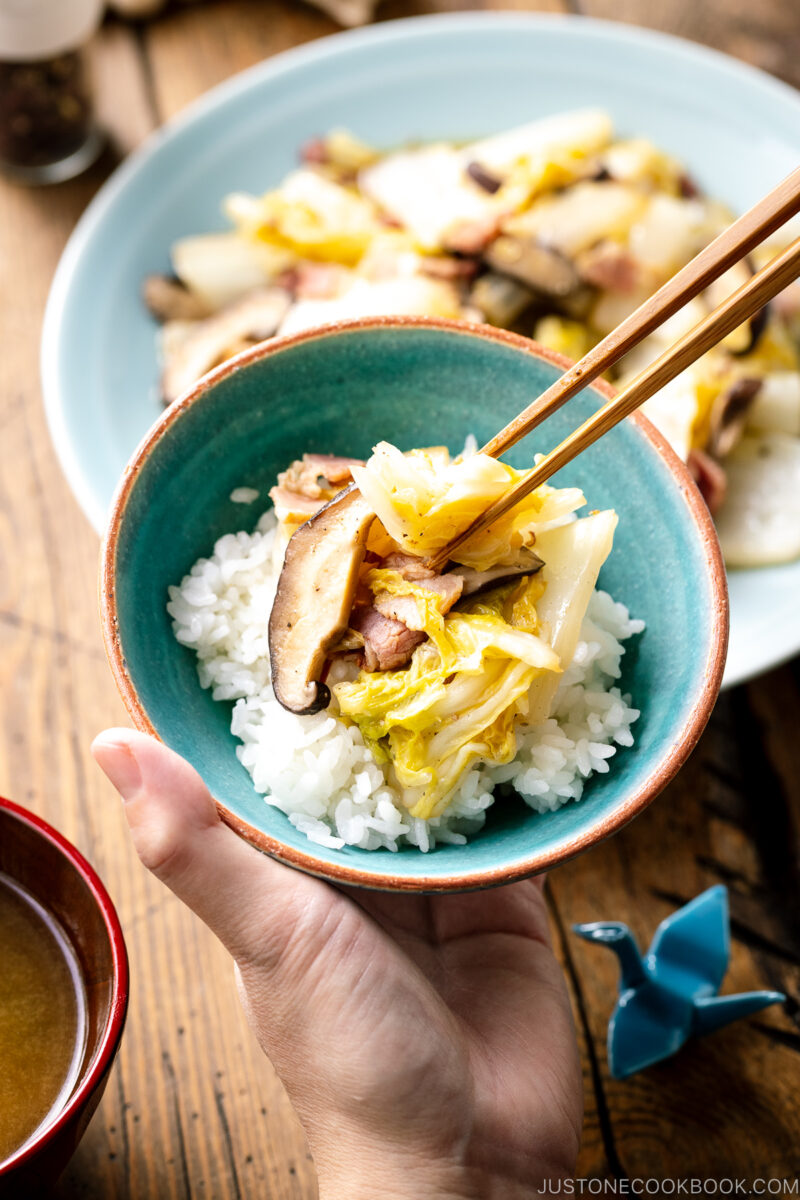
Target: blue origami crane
<point>671,994</point>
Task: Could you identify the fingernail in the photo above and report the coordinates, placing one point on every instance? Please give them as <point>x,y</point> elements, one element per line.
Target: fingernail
<point>119,763</point>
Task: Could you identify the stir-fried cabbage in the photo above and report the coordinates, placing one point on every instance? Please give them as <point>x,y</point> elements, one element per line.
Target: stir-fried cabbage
<point>423,504</point>
<point>759,522</point>
<point>429,190</point>
<point>573,555</point>
<point>458,699</point>
<point>219,268</point>
<point>556,228</point>
<point>553,139</point>
<point>315,217</point>
<point>580,216</point>
<point>414,295</point>
<point>497,659</point>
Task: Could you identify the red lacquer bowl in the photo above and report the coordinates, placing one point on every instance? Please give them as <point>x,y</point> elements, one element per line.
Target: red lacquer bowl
<point>42,861</point>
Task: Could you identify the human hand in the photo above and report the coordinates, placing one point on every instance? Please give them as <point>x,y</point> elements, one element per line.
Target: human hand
<point>426,1042</point>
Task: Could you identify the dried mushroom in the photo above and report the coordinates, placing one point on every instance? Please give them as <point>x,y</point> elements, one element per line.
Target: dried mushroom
<point>729,415</point>
<point>484,179</point>
<point>207,343</point>
<point>170,300</point>
<point>500,299</point>
<point>545,270</point>
<point>314,599</point>
<point>528,563</point>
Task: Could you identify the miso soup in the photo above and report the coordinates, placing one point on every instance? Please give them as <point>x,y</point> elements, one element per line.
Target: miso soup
<point>42,1017</point>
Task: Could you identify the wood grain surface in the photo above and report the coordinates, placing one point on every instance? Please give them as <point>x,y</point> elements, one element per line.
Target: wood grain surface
<point>193,1109</point>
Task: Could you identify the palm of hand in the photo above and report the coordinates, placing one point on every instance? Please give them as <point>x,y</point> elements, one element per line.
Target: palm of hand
<point>448,1029</point>
<point>426,1042</point>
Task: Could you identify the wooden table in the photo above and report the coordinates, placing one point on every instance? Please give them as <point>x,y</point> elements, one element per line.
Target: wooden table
<point>193,1108</point>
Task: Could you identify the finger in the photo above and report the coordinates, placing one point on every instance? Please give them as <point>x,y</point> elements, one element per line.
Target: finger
<point>246,898</point>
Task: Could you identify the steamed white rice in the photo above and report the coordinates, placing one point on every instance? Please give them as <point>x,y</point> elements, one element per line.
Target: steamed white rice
<point>318,771</point>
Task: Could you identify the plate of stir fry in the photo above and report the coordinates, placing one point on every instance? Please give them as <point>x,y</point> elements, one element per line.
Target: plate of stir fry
<point>500,188</point>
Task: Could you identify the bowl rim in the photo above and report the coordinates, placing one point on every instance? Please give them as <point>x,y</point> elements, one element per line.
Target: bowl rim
<point>120,983</point>
<point>537,861</point>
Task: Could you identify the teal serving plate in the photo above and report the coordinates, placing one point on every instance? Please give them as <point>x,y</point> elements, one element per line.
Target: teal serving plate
<point>414,382</point>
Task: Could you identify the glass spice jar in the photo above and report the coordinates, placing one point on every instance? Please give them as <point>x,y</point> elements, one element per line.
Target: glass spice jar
<point>47,128</point>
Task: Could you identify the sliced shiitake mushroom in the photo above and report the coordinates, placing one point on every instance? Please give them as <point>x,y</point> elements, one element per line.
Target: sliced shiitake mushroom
<point>169,300</point>
<point>755,326</point>
<point>315,597</point>
<point>729,415</point>
<point>500,298</point>
<point>528,563</point>
<point>252,319</point>
<point>484,179</point>
<point>541,267</point>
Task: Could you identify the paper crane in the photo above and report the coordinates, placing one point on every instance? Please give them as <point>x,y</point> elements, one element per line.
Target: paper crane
<point>671,994</point>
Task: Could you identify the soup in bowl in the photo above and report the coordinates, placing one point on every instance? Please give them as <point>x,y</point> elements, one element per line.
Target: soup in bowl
<point>63,999</point>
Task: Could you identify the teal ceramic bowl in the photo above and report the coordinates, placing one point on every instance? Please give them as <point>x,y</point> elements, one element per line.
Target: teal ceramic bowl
<point>412,381</point>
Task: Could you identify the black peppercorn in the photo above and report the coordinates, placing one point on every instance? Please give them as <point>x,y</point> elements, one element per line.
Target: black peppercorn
<point>45,110</point>
<point>47,130</point>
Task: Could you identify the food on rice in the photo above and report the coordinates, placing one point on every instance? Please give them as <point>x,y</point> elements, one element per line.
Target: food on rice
<point>557,229</point>
<point>388,703</point>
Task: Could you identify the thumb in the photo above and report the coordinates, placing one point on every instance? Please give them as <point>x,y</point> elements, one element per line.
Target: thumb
<point>247,899</point>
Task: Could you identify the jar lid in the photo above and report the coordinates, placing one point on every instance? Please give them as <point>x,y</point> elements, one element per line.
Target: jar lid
<point>37,29</point>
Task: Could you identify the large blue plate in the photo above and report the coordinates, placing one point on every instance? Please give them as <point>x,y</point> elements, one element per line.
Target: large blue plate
<point>447,76</point>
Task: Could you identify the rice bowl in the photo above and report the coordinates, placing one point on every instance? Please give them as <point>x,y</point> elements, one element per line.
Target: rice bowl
<point>240,426</point>
<point>318,770</point>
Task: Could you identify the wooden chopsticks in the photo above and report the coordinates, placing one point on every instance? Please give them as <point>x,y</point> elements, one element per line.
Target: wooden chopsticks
<point>749,231</point>
<point>731,245</point>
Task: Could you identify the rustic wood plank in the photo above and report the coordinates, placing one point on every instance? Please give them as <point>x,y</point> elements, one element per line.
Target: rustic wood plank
<point>766,34</point>
<point>733,816</point>
<point>192,1107</point>
<point>189,1067</point>
<point>391,10</point>
<point>194,48</point>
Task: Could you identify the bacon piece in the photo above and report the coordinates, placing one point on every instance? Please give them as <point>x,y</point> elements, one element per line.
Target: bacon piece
<point>610,267</point>
<point>333,468</point>
<point>404,608</point>
<point>407,565</point>
<point>398,608</point>
<point>709,477</point>
<point>318,281</point>
<point>296,503</point>
<point>314,151</point>
<point>449,268</point>
<point>318,475</point>
<point>688,188</point>
<point>472,237</point>
<point>388,644</point>
<point>449,587</point>
<point>287,279</point>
